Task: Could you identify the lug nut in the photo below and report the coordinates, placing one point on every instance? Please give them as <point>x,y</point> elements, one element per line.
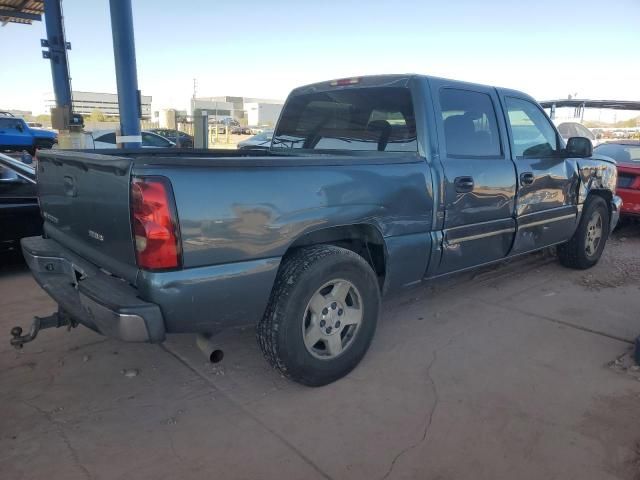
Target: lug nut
<point>334,305</point>
<point>340,311</point>
<point>322,323</point>
<point>338,324</point>
<point>325,311</point>
<point>329,329</point>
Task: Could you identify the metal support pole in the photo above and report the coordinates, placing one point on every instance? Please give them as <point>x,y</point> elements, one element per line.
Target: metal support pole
<point>58,54</point>
<point>124,53</point>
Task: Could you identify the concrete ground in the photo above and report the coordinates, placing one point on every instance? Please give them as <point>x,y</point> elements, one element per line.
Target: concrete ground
<point>516,371</point>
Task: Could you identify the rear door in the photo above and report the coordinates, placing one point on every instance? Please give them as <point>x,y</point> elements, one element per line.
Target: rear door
<point>479,178</point>
<point>546,204</point>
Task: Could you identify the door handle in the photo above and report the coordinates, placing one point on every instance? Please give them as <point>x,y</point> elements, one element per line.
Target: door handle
<point>463,184</point>
<point>526,178</point>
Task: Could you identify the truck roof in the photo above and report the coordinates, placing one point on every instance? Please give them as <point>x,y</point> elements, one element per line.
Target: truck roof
<point>393,80</point>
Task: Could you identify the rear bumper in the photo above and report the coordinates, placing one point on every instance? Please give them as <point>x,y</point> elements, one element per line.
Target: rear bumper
<point>90,296</point>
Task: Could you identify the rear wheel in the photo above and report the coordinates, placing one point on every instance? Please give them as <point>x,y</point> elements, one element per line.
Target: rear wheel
<point>586,246</point>
<point>322,315</point>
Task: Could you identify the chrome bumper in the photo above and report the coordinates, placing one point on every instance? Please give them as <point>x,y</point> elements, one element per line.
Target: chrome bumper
<point>91,297</point>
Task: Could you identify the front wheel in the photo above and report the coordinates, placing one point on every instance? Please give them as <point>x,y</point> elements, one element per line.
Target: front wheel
<point>322,315</point>
<point>586,246</point>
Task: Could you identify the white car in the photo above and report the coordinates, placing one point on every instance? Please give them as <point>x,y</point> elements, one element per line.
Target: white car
<point>107,139</point>
<point>575,129</point>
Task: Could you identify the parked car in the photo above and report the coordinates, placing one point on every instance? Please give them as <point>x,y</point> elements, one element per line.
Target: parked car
<point>238,130</point>
<point>16,135</point>
<point>261,141</point>
<point>575,129</point>
<point>627,154</point>
<point>99,139</point>
<point>371,185</point>
<point>186,140</point>
<point>19,211</point>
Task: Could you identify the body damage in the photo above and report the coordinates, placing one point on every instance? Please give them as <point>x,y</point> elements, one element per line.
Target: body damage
<point>597,173</point>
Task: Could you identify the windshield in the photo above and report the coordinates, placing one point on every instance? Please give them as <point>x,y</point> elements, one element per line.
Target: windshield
<point>365,119</point>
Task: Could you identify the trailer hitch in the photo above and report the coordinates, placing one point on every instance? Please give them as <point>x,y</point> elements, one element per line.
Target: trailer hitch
<point>57,320</point>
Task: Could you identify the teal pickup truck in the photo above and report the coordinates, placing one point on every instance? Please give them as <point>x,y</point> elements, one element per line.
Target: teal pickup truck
<point>371,185</point>
<point>16,135</point>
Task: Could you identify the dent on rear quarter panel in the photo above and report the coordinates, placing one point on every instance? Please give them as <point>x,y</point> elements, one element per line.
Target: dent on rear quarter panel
<point>207,299</point>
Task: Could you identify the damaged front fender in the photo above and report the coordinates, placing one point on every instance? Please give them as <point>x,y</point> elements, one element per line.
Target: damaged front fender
<point>596,174</point>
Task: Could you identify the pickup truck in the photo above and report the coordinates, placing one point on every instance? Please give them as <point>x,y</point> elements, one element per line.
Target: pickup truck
<point>371,185</point>
<point>17,135</point>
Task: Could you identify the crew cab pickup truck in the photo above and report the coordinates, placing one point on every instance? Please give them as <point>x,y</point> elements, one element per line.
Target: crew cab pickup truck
<point>371,185</point>
<point>17,135</point>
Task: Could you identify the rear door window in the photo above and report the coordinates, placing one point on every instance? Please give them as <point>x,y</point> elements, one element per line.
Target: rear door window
<point>356,119</point>
<point>470,124</point>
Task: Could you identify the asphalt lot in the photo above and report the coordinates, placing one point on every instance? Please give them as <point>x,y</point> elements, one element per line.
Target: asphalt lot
<point>521,370</point>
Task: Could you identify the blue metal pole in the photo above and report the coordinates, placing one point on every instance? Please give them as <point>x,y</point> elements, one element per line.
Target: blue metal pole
<point>58,53</point>
<point>124,53</point>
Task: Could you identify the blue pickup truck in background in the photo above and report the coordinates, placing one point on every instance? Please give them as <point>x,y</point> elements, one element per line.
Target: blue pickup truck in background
<point>16,135</point>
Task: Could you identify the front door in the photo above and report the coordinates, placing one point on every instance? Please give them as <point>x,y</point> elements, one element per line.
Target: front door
<point>479,177</point>
<point>546,204</point>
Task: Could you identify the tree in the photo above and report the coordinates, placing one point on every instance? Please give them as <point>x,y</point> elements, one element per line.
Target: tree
<point>97,116</point>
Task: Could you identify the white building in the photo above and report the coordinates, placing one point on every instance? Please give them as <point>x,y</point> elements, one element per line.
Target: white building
<point>258,114</point>
<point>247,110</point>
<point>85,103</point>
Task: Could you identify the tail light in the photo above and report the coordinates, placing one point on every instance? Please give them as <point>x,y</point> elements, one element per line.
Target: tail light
<point>154,223</point>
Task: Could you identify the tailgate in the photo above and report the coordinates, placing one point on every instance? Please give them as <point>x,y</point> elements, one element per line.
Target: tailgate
<point>84,198</point>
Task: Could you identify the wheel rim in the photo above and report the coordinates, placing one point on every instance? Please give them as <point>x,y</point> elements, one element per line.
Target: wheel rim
<point>594,233</point>
<point>332,319</point>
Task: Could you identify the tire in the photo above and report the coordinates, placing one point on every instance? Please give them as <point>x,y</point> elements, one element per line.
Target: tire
<point>581,252</point>
<point>309,292</point>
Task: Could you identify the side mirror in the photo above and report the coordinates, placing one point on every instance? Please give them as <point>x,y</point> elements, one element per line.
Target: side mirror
<point>579,147</point>
<point>19,127</point>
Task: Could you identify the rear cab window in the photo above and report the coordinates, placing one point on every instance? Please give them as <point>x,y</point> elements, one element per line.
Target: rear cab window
<point>351,119</point>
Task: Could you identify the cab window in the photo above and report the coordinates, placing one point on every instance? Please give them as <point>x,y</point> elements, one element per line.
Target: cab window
<point>532,134</point>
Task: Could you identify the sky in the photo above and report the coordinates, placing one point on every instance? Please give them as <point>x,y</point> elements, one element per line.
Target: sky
<point>549,49</point>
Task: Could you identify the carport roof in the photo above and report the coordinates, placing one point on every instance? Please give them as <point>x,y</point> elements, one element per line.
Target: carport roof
<point>21,11</point>
<point>612,104</point>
